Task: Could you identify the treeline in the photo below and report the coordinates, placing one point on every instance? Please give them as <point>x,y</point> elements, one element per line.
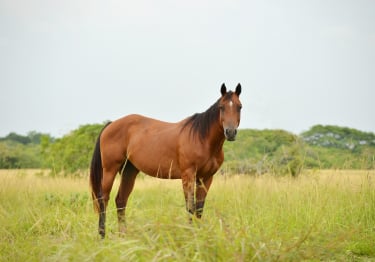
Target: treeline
<point>254,152</point>
<point>281,152</point>
<point>17,151</point>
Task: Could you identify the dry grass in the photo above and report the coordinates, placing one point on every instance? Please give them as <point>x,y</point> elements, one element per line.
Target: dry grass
<point>322,215</point>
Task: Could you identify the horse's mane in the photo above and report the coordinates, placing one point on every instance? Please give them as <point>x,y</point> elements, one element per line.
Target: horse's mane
<point>200,123</point>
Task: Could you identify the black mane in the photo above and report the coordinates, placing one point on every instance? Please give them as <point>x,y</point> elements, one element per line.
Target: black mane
<point>200,123</point>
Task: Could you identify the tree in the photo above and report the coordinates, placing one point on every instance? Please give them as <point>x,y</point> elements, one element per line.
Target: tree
<point>72,153</point>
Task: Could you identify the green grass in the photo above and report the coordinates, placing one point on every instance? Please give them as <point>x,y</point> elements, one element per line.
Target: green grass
<point>327,215</point>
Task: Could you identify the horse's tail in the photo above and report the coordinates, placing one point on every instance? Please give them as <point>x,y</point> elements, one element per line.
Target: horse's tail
<point>96,173</point>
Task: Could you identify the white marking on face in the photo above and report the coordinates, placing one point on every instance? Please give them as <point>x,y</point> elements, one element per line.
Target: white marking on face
<point>230,103</point>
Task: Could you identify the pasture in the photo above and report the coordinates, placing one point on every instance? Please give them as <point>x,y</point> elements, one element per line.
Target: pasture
<point>321,215</point>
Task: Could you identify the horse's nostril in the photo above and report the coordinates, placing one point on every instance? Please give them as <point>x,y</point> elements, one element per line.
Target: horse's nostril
<point>230,133</point>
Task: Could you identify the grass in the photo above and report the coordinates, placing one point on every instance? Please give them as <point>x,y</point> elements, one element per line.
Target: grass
<point>323,215</point>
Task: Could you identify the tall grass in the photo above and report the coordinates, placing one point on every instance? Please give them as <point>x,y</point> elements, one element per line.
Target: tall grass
<point>326,215</point>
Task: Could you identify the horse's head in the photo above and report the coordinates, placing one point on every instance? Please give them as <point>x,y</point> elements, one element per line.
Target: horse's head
<point>230,111</point>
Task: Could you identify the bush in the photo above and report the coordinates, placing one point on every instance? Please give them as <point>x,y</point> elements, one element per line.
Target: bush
<point>72,153</point>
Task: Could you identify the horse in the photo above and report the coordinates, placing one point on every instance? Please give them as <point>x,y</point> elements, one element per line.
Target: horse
<point>190,150</point>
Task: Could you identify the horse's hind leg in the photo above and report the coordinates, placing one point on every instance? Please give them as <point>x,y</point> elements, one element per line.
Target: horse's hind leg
<point>107,182</point>
<point>101,216</point>
<point>126,186</point>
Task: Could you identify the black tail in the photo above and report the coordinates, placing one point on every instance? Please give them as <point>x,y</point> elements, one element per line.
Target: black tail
<point>96,173</point>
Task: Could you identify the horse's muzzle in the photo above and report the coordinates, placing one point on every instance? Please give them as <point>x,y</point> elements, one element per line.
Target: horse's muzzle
<point>230,134</point>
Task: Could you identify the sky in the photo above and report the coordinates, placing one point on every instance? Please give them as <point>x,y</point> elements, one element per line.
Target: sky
<point>300,63</point>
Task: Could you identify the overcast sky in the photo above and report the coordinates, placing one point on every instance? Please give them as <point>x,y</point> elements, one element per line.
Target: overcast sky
<point>300,63</point>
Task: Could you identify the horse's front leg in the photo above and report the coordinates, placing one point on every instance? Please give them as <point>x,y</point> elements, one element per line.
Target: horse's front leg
<point>188,184</point>
<point>203,185</point>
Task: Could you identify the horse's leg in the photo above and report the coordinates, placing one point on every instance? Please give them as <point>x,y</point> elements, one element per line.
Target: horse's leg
<point>202,187</point>
<point>101,228</point>
<point>188,184</point>
<point>126,186</point>
<point>107,182</point>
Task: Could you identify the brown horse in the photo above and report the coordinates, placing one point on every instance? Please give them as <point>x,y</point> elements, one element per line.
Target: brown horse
<point>191,149</point>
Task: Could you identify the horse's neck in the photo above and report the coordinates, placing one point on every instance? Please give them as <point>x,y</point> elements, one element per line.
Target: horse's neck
<point>216,138</point>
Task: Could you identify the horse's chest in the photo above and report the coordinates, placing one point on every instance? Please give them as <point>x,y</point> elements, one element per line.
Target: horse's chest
<point>212,165</point>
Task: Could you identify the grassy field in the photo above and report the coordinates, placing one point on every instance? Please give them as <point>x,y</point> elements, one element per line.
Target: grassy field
<point>323,215</point>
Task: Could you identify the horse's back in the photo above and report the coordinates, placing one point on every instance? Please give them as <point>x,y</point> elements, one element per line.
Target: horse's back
<point>151,145</point>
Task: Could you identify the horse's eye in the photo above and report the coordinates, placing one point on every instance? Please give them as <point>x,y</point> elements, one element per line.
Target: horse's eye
<point>239,108</point>
<point>221,108</point>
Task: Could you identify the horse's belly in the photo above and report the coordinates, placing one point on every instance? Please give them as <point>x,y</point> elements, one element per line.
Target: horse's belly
<point>156,156</point>
<point>157,167</point>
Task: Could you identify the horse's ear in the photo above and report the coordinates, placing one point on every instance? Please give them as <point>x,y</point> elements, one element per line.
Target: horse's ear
<point>238,89</point>
<point>223,89</point>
